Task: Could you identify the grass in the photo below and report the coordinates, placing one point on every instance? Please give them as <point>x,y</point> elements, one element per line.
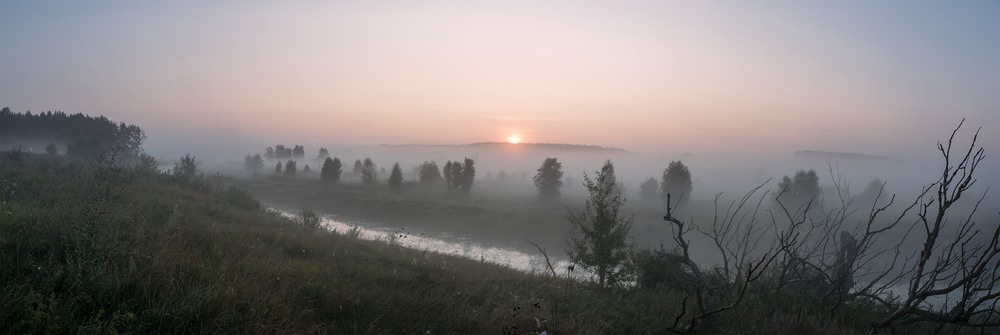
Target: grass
<point>91,249</point>
<point>100,249</point>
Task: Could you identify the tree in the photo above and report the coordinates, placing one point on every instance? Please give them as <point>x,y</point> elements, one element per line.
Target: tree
<point>369,172</point>
<point>299,152</point>
<point>597,242</point>
<point>290,168</point>
<point>429,172</point>
<point>253,163</point>
<point>676,181</point>
<point>306,169</point>
<point>468,175</point>
<point>803,188</point>
<point>358,167</point>
<point>330,170</point>
<point>51,149</point>
<point>649,188</point>
<point>549,178</point>
<point>396,177</point>
<point>449,179</point>
<point>269,153</point>
<point>277,169</point>
<point>309,218</point>
<point>186,169</point>
<point>323,154</point>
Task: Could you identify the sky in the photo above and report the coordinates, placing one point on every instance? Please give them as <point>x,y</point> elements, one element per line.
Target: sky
<point>884,78</point>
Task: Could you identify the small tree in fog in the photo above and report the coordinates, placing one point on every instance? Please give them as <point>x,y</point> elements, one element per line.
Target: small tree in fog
<point>597,241</point>
<point>330,170</point>
<point>186,169</point>
<point>253,163</point>
<point>468,175</point>
<point>369,172</point>
<point>290,168</point>
<point>269,153</point>
<point>448,178</point>
<point>429,172</point>
<point>323,154</point>
<point>798,190</point>
<point>549,178</point>
<point>306,169</point>
<point>396,177</point>
<point>299,152</point>
<point>358,167</point>
<point>677,182</point>
<point>51,149</point>
<point>649,189</point>
<point>277,169</point>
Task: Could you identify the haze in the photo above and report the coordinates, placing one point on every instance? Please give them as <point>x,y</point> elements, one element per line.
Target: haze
<point>720,78</point>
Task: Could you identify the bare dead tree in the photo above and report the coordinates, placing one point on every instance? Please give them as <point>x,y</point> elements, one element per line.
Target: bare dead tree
<point>957,269</point>
<point>753,269</point>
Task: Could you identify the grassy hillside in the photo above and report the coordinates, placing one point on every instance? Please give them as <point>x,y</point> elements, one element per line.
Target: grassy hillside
<point>106,249</point>
<point>97,248</point>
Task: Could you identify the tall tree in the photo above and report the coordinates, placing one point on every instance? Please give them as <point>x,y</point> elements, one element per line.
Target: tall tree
<point>676,182</point>
<point>468,175</point>
<point>548,180</point>
<point>277,168</point>
<point>358,167</point>
<point>448,178</point>
<point>598,239</point>
<point>330,170</point>
<point>269,153</point>
<point>323,154</point>
<point>299,152</point>
<point>396,177</point>
<point>369,172</point>
<point>649,189</point>
<point>290,168</point>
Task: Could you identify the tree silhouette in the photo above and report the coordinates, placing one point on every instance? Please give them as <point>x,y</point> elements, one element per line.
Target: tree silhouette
<point>290,168</point>
<point>369,172</point>
<point>429,172</point>
<point>330,170</point>
<point>468,176</point>
<point>649,189</point>
<point>396,177</point>
<point>676,181</point>
<point>549,178</point>
<point>598,241</point>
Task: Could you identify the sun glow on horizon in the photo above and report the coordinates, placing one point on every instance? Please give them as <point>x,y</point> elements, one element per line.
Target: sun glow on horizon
<point>514,139</point>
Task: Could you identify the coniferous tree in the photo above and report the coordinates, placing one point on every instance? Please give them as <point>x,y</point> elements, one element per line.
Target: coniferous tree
<point>599,231</point>
<point>396,177</point>
<point>549,178</point>
<point>448,178</point>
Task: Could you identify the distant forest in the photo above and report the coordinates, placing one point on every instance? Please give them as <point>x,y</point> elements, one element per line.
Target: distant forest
<point>533,146</point>
<point>77,134</point>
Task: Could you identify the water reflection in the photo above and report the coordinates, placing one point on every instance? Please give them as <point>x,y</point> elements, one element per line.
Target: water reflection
<point>447,244</point>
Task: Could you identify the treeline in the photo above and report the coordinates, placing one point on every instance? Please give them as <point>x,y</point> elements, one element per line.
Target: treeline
<point>78,134</point>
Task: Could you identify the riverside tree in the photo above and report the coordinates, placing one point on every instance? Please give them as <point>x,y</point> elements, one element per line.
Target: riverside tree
<point>549,178</point>
<point>597,242</point>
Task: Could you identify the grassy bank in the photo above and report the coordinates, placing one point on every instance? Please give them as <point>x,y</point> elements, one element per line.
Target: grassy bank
<point>103,249</point>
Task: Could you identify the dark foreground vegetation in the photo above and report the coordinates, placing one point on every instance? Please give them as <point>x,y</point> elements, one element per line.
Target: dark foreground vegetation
<point>107,243</point>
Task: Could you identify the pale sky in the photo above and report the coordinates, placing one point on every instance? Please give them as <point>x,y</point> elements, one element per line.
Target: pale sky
<point>874,77</point>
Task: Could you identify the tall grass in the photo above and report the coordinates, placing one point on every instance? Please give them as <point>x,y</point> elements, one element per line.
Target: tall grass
<point>104,249</point>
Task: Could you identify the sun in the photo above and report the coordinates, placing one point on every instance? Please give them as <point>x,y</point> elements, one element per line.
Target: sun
<point>514,139</point>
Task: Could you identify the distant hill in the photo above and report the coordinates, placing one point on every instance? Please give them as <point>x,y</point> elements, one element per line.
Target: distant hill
<point>841,156</point>
<point>543,147</point>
